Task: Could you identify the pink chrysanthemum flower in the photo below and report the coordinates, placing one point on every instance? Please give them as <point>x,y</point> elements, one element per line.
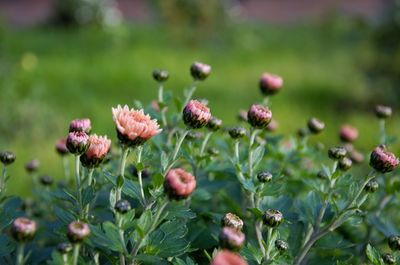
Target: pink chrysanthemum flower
<point>61,146</point>
<point>98,149</point>
<point>179,184</point>
<point>382,160</point>
<point>23,229</point>
<point>80,125</point>
<point>348,133</point>
<point>133,126</point>
<point>259,116</point>
<point>196,114</point>
<point>226,257</point>
<point>270,84</point>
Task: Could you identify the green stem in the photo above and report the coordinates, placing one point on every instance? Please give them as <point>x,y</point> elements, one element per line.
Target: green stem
<point>76,254</point>
<point>190,93</point>
<point>161,100</point>
<point>89,183</point>
<point>177,148</point>
<point>124,155</point>
<point>382,131</point>
<point>122,239</point>
<point>65,259</point>
<point>67,174</point>
<point>237,151</point>
<point>252,140</point>
<point>255,201</point>
<point>78,182</point>
<point>3,181</point>
<point>270,243</point>
<point>204,144</point>
<point>153,226</point>
<point>20,254</point>
<point>139,172</point>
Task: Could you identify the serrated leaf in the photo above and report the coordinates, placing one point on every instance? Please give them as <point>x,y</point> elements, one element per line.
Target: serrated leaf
<point>157,180</point>
<point>106,236</point>
<point>256,212</point>
<point>373,255</point>
<point>178,210</point>
<point>144,222</point>
<point>258,155</point>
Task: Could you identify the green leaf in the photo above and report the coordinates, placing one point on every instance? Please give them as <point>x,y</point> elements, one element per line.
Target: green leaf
<point>127,219</point>
<point>373,255</point>
<point>113,197</point>
<point>256,212</point>
<point>144,222</point>
<point>249,252</point>
<point>7,246</point>
<point>157,180</point>
<point>88,195</point>
<point>106,236</point>
<point>178,210</point>
<point>258,155</point>
<point>164,160</point>
<point>132,189</point>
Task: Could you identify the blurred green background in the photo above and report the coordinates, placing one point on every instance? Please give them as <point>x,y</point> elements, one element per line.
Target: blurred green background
<point>77,64</point>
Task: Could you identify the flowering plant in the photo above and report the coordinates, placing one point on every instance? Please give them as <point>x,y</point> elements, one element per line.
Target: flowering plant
<point>176,186</point>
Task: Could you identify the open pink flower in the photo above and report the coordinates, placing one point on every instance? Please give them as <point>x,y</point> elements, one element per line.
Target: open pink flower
<point>80,125</point>
<point>179,184</point>
<point>226,257</point>
<point>133,126</point>
<point>98,149</point>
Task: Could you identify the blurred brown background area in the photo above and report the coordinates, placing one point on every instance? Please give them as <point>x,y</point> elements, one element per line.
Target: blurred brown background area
<point>34,12</point>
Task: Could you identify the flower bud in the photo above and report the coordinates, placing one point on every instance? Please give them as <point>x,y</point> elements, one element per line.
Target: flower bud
<point>32,166</point>
<point>122,206</point>
<point>64,248</point>
<point>179,184</point>
<point>272,218</point>
<point>99,146</point>
<point>281,245</point>
<point>337,153</point>
<point>160,75</point>
<point>315,126</point>
<point>232,220</point>
<point>302,132</point>
<point>61,147</point>
<point>145,172</point>
<point>242,115</point>
<point>272,126</point>
<point>77,142</point>
<point>213,151</point>
<point>77,232</point>
<point>383,112</point>
<point>46,180</point>
<point>322,175</point>
<point>7,157</point>
<point>80,125</point>
<point>270,84</point>
<point>348,133</point>
<point>226,257</point>
<point>388,259</point>
<point>259,116</point>
<point>200,71</point>
<point>214,124</point>
<point>237,132</point>
<point>196,115</point>
<point>264,177</point>
<point>356,157</point>
<point>194,135</point>
<point>345,164</point>
<point>394,243</point>
<point>382,160</point>
<point>371,186</point>
<point>231,238</point>
<point>23,229</point>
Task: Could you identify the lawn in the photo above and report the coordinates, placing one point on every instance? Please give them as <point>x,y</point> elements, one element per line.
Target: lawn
<point>49,76</point>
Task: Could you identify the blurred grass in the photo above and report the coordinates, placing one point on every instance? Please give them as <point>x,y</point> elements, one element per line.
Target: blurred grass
<point>49,76</point>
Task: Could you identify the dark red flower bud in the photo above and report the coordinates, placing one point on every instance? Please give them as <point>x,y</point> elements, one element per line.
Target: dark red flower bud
<point>179,184</point>
<point>7,157</point>
<point>270,84</point>
<point>226,257</point>
<point>264,177</point>
<point>394,243</point>
<point>77,142</point>
<point>315,126</point>
<point>232,220</point>
<point>231,238</point>
<point>371,186</point>
<point>77,232</point>
<point>32,166</point>
<point>200,71</point>
<point>160,75</point>
<point>46,180</point>
<point>382,160</point>
<point>64,248</point>
<point>237,132</point>
<point>389,259</point>
<point>23,229</point>
<point>281,245</point>
<point>337,153</point>
<point>214,124</point>
<point>196,115</point>
<point>122,206</point>
<point>345,164</point>
<point>383,112</point>
<point>272,218</point>
<point>259,116</point>
<point>61,147</point>
<point>348,133</point>
<point>80,125</point>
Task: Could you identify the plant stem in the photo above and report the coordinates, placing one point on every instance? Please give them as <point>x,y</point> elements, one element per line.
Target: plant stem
<point>190,93</point>
<point>89,182</point>
<point>237,151</point>
<point>122,239</point>
<point>382,131</point>
<point>204,144</point>
<point>270,243</point>
<point>3,181</point>
<point>177,148</point>
<point>76,254</point>
<point>161,100</point>
<point>124,155</point>
<point>139,172</point>
<point>255,201</point>
<point>153,226</point>
<point>20,254</point>
<point>78,182</point>
<point>67,174</point>
<point>252,139</point>
<point>336,222</point>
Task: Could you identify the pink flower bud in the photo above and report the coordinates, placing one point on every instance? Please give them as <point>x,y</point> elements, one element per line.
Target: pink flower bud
<point>383,161</point>
<point>80,125</point>
<point>315,126</point>
<point>200,71</point>
<point>77,142</point>
<point>97,151</point>
<point>383,112</point>
<point>226,257</point>
<point>133,126</point>
<point>77,231</point>
<point>232,220</point>
<point>259,116</point>
<point>61,147</point>
<point>179,184</point>
<point>348,133</point>
<point>23,229</point>
<point>270,84</point>
<point>231,238</point>
<point>196,114</point>
<point>32,165</point>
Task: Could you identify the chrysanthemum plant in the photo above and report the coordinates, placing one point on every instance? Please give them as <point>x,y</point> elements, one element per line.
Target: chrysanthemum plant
<point>175,186</point>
